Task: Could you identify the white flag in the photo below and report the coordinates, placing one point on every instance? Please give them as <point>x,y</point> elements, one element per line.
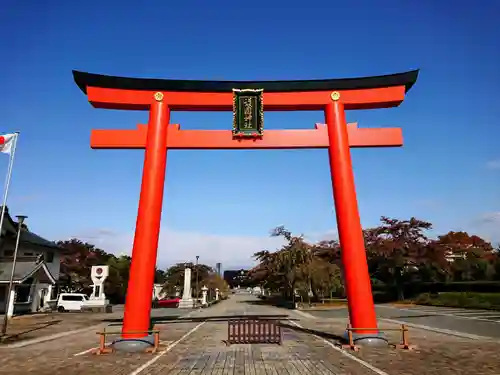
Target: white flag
<point>6,142</point>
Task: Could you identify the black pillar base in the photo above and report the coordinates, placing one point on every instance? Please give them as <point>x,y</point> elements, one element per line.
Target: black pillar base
<point>133,345</point>
<point>367,339</point>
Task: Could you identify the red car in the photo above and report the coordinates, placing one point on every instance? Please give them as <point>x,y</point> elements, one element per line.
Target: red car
<point>168,302</point>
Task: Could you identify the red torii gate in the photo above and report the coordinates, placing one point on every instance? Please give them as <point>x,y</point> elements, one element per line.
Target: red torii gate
<point>161,96</point>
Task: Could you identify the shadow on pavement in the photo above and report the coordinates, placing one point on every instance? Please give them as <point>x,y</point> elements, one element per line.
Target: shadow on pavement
<point>276,302</point>
<point>414,316</point>
<point>154,320</point>
<point>215,318</point>
<point>8,338</point>
<point>325,335</point>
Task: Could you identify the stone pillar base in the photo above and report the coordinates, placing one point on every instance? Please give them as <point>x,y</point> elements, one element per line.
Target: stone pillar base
<point>133,345</point>
<point>187,303</point>
<point>367,339</point>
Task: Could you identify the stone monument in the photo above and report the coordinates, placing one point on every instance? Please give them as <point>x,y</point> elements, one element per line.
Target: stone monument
<point>204,291</point>
<point>186,301</point>
<point>97,300</point>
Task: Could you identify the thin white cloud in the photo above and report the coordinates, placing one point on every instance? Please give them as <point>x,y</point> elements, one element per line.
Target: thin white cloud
<point>430,204</point>
<point>490,217</point>
<point>179,246</point>
<point>493,164</point>
<point>183,246</point>
<point>232,250</point>
<point>331,234</point>
<point>487,226</point>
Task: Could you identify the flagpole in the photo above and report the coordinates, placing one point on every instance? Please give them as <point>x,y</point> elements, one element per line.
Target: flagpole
<point>4,204</point>
<point>7,181</point>
<point>20,220</point>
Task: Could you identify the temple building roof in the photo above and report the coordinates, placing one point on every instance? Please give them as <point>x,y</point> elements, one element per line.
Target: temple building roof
<point>10,229</point>
<point>25,270</point>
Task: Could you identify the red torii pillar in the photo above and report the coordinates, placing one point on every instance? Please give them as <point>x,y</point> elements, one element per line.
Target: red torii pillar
<point>158,136</point>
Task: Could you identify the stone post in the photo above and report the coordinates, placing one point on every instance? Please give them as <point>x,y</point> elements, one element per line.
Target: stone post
<point>12,300</point>
<point>204,291</point>
<point>216,294</point>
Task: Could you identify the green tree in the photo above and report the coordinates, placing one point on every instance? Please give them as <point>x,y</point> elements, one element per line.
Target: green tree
<point>174,277</point>
<point>116,284</point>
<point>298,267</point>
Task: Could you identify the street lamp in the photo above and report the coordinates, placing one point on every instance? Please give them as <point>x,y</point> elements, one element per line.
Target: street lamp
<point>196,269</point>
<point>20,221</point>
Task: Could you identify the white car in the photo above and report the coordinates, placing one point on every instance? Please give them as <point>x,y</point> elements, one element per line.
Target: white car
<point>71,301</point>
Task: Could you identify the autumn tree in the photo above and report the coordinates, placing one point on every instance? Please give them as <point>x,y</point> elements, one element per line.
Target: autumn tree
<point>265,273</point>
<point>399,253</point>
<point>469,256</point>
<point>293,261</point>
<point>296,267</point>
<point>214,281</point>
<point>76,263</point>
<point>396,249</point>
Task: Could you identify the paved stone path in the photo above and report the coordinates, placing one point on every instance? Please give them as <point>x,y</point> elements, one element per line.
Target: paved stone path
<point>467,321</point>
<point>24,329</point>
<point>435,353</point>
<point>492,316</point>
<point>197,348</point>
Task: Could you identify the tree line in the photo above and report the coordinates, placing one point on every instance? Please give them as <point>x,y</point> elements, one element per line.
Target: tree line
<point>79,257</point>
<point>402,260</point>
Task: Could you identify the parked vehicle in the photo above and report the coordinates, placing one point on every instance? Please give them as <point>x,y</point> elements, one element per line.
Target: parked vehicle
<point>71,301</point>
<point>170,302</point>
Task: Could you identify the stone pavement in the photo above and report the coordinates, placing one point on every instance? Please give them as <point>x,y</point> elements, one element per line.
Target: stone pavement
<point>26,328</point>
<point>196,348</point>
<point>467,321</point>
<point>435,353</point>
<point>454,312</point>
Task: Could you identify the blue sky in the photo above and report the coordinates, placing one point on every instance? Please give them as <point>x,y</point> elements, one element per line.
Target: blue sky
<point>448,172</point>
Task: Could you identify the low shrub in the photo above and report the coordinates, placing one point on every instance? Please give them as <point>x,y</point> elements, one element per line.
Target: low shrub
<point>470,300</point>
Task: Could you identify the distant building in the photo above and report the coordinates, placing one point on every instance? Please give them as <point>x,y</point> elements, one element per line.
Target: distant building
<point>236,278</point>
<point>37,268</point>
<point>452,256</point>
<point>218,269</point>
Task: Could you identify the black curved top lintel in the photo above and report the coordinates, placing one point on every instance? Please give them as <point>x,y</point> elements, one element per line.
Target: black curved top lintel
<point>84,80</point>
